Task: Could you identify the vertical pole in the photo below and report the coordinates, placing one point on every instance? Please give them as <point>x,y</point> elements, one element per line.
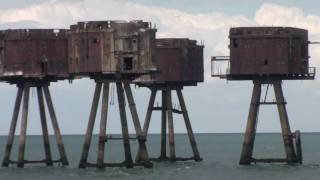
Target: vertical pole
<point>88,136</point>
<point>192,139</point>
<point>124,125</point>
<point>103,125</point>
<point>13,126</point>
<point>249,136</point>
<point>149,112</point>
<point>284,121</point>
<point>298,146</point>
<point>23,130</point>
<point>44,126</point>
<point>163,153</point>
<point>170,125</point>
<point>55,126</point>
<point>142,155</point>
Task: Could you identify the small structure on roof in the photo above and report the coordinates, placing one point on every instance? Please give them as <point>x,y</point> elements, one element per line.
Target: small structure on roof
<point>268,55</point>
<point>180,63</point>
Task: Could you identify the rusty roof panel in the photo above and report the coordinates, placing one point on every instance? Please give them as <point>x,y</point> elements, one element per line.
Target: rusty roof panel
<point>180,61</point>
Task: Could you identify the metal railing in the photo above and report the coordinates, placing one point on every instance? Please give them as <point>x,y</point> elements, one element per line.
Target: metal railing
<point>312,71</point>
<point>220,66</point>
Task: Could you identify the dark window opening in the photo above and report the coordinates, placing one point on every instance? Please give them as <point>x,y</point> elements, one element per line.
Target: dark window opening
<point>265,62</point>
<point>235,44</point>
<point>127,63</point>
<point>44,66</point>
<point>95,40</point>
<point>134,41</point>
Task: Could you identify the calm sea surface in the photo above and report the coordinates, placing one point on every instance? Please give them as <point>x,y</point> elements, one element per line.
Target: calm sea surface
<point>219,151</point>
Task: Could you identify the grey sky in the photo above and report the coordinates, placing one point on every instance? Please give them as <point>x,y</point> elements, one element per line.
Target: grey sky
<point>213,106</point>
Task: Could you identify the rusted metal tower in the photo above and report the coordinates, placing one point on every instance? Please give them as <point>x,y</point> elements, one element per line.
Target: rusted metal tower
<point>268,55</point>
<point>180,62</point>
<point>33,58</point>
<point>112,52</point>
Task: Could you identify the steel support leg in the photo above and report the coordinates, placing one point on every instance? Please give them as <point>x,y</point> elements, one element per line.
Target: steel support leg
<point>163,153</point>
<point>23,130</point>
<point>13,125</point>
<point>124,126</point>
<point>249,136</point>
<point>149,112</point>
<point>284,121</point>
<point>192,139</point>
<point>103,125</point>
<point>88,136</point>
<point>142,156</point>
<point>44,126</point>
<point>55,126</point>
<point>170,126</point>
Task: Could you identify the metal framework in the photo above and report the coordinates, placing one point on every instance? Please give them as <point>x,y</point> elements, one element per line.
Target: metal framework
<point>292,142</point>
<point>23,93</point>
<point>167,123</point>
<point>123,87</point>
<point>310,75</point>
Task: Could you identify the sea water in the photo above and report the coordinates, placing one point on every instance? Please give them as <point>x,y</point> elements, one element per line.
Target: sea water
<point>220,153</point>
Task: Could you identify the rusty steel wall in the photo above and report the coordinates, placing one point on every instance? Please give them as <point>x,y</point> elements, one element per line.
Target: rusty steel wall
<point>33,52</point>
<point>179,61</point>
<point>111,47</point>
<point>268,51</point>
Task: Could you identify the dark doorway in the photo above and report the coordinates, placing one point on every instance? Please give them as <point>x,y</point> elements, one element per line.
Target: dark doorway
<point>127,63</point>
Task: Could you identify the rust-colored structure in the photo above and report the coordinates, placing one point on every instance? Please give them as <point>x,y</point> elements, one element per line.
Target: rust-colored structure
<point>33,53</point>
<point>111,47</point>
<point>112,52</point>
<point>33,58</point>
<point>271,52</point>
<point>180,63</point>
<point>268,55</point>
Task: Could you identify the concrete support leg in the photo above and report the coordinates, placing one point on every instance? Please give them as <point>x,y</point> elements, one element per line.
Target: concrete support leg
<point>163,153</point>
<point>124,125</point>
<point>88,136</point>
<point>44,126</point>
<point>103,126</point>
<point>13,125</point>
<point>23,130</point>
<point>170,126</point>
<point>192,139</point>
<point>284,121</point>
<point>249,136</point>
<point>55,126</point>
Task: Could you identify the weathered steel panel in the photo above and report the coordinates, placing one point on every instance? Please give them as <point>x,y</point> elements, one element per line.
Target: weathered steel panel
<point>33,52</point>
<point>260,51</point>
<point>180,61</point>
<point>111,47</point>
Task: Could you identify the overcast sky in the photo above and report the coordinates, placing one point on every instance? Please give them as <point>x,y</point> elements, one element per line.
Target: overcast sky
<point>215,105</point>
